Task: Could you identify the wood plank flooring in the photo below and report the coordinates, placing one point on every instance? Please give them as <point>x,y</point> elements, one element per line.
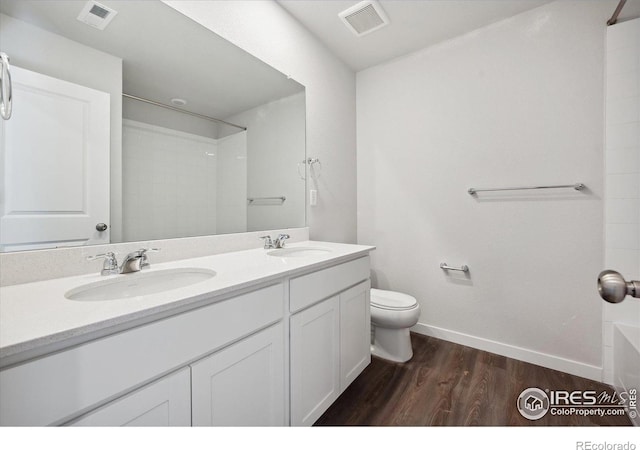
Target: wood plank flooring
<point>450,384</point>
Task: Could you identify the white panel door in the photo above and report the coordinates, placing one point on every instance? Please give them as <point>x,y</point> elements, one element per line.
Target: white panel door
<point>55,157</point>
<point>243,384</point>
<point>355,333</point>
<point>166,402</point>
<point>315,361</point>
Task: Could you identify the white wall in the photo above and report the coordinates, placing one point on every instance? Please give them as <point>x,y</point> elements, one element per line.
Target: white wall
<point>517,103</point>
<point>275,146</point>
<point>265,30</point>
<point>622,163</point>
<point>38,50</point>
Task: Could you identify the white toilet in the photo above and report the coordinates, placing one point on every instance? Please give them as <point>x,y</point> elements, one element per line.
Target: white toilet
<point>392,314</point>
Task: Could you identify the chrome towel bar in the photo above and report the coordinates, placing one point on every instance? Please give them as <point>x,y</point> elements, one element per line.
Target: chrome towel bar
<point>576,186</point>
<point>251,200</point>
<point>463,268</point>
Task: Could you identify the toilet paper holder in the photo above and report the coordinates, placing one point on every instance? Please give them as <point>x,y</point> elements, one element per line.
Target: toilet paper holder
<point>463,268</point>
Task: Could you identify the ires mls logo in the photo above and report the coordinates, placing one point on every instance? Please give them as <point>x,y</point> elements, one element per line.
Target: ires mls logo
<point>534,403</point>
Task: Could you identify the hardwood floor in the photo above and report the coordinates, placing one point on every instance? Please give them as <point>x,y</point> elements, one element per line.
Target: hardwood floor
<point>450,384</point>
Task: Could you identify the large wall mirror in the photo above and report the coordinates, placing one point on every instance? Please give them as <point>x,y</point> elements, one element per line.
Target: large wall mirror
<point>132,122</point>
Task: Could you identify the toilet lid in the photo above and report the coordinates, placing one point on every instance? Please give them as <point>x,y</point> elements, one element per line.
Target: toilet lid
<point>392,300</point>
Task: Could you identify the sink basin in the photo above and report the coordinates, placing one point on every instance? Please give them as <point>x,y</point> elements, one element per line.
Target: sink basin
<point>139,284</point>
<point>299,252</point>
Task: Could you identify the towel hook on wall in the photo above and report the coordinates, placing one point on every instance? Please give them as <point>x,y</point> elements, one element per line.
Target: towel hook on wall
<point>6,94</point>
<point>312,170</point>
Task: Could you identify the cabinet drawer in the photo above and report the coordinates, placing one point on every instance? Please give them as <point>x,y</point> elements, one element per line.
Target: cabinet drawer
<point>309,289</point>
<point>57,388</point>
<point>163,403</point>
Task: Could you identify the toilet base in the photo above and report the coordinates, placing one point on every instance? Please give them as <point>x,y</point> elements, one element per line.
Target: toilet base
<point>392,344</point>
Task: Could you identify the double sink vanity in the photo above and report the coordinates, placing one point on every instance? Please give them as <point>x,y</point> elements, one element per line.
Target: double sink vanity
<point>248,338</point>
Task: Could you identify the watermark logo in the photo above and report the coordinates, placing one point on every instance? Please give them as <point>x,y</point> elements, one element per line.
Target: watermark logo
<point>533,403</point>
<point>589,445</point>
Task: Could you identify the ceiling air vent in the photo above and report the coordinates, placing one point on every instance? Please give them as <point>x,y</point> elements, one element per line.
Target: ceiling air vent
<point>364,17</point>
<point>96,15</point>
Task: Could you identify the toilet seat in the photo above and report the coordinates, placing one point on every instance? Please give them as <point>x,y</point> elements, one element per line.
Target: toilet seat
<point>391,300</point>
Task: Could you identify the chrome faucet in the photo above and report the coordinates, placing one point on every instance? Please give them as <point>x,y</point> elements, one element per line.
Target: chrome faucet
<point>110,265</point>
<point>137,261</point>
<point>133,262</point>
<point>279,242</point>
<point>274,243</point>
<point>268,243</point>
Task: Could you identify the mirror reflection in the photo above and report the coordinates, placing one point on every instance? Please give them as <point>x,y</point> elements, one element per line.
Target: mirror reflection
<point>132,122</point>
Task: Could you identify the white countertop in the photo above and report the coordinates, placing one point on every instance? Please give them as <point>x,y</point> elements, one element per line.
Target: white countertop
<point>36,318</point>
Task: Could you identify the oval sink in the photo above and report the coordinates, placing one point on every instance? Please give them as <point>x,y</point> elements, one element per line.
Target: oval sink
<point>298,252</point>
<point>139,284</point>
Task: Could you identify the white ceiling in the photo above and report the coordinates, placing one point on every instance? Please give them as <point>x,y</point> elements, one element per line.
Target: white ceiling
<point>414,24</point>
<point>220,79</point>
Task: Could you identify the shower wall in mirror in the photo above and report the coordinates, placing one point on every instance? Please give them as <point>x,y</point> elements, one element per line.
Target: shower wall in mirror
<point>214,150</point>
<point>210,175</point>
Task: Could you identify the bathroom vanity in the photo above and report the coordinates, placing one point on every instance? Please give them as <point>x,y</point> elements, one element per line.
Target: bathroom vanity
<point>271,339</point>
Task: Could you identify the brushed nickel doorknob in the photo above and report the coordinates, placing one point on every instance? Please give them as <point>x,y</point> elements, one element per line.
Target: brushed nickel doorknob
<point>101,227</point>
<point>613,287</point>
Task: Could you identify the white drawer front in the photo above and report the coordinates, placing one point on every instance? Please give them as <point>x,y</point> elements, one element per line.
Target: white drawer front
<point>309,289</point>
<point>57,387</point>
<point>164,403</point>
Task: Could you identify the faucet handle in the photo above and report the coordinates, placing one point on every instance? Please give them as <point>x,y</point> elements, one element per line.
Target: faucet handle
<point>268,243</point>
<point>142,251</point>
<point>279,243</point>
<point>149,250</point>
<point>144,264</point>
<point>109,256</point>
<point>110,265</point>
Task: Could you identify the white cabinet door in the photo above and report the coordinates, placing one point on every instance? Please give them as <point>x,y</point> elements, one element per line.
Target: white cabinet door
<point>243,384</point>
<point>355,333</point>
<point>166,402</point>
<point>55,164</point>
<point>315,360</point>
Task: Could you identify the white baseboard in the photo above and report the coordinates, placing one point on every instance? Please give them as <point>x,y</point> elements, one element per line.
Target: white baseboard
<point>511,351</point>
